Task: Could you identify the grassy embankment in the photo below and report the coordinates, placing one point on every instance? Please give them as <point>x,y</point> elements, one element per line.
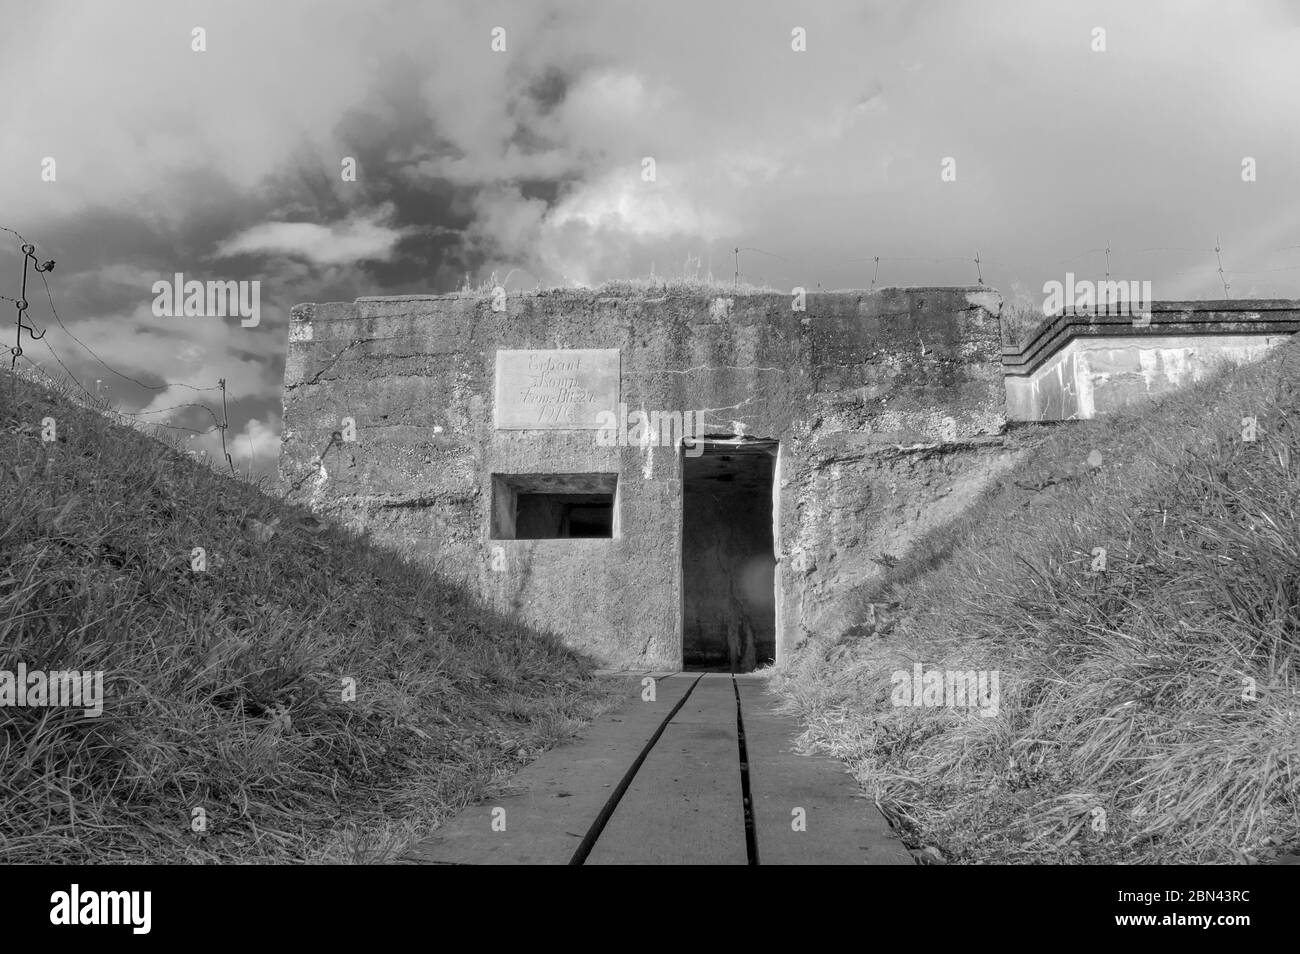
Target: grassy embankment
<point>1149,712</point>
<point>225,689</point>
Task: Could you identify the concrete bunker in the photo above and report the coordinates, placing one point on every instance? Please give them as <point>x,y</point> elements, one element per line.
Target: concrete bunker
<point>505,443</point>
<point>509,449</point>
<point>729,556</point>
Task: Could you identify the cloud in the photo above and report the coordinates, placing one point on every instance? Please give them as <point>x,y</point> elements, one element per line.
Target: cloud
<point>808,154</point>
<point>359,238</point>
<point>258,443</point>
<point>254,448</point>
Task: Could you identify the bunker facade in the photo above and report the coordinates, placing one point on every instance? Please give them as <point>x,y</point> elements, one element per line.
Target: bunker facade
<point>662,478</point>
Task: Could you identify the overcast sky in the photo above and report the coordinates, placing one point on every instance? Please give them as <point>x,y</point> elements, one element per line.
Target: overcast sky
<point>226,164</point>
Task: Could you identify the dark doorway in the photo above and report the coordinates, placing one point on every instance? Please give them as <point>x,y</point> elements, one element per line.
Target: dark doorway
<point>728,563</point>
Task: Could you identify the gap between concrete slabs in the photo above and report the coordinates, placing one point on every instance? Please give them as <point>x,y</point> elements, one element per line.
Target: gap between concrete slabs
<point>684,806</point>
<point>842,827</point>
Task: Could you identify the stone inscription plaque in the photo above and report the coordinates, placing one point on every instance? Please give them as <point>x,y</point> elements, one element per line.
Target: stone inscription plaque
<point>555,390</point>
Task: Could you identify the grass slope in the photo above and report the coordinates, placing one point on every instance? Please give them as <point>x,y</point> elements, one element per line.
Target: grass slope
<point>224,689</point>
<point>1128,729</point>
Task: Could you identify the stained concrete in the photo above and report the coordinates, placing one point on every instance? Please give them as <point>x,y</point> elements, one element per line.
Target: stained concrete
<point>844,387</point>
<point>662,782</point>
<point>1077,366</point>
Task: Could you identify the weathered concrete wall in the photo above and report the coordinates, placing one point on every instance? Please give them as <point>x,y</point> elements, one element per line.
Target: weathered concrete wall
<point>860,504</point>
<point>861,390</point>
<point>1077,367</point>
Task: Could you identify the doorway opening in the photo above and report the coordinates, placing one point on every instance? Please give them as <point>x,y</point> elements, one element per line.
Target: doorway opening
<point>728,558</point>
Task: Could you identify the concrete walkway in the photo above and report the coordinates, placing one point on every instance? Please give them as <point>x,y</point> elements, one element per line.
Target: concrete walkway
<point>702,775</point>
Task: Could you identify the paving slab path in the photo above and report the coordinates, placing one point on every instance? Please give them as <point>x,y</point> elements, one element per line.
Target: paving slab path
<point>704,773</point>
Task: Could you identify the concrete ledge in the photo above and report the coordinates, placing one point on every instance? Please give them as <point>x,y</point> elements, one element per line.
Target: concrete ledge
<point>1099,373</point>
<point>1246,317</point>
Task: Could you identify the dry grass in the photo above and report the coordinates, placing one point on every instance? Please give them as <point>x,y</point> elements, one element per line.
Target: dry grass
<point>224,689</point>
<point>1019,322</point>
<point>1126,730</point>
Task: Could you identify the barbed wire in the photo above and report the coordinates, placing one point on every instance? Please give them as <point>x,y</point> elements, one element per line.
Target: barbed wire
<point>27,248</point>
<point>22,238</point>
<point>55,381</point>
<point>978,260</point>
<point>127,377</point>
